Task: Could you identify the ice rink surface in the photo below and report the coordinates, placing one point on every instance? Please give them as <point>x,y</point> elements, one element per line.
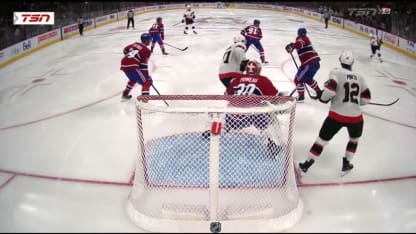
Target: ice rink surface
<point>68,145</point>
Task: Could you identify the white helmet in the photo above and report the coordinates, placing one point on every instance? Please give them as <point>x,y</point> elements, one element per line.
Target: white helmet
<point>239,38</point>
<point>346,58</point>
<point>253,67</point>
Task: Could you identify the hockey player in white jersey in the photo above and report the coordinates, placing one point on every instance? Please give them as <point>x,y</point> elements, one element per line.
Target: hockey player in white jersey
<point>346,91</point>
<point>375,46</point>
<point>233,61</point>
<point>188,19</point>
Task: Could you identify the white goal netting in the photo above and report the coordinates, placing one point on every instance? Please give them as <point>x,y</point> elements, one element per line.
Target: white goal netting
<point>214,163</point>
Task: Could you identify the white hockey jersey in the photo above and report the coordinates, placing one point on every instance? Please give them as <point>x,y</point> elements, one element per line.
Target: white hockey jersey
<point>375,42</point>
<point>347,91</point>
<point>232,58</point>
<point>189,14</point>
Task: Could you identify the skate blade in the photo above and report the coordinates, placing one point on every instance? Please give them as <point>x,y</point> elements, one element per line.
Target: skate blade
<point>125,100</point>
<point>298,172</point>
<point>344,173</point>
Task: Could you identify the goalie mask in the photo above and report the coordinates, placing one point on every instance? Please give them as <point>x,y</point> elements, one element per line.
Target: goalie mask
<point>253,67</point>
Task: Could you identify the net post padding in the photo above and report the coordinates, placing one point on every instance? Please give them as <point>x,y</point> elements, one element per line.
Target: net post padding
<point>240,175</point>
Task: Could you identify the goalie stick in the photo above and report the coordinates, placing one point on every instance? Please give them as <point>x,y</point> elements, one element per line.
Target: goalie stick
<point>176,47</point>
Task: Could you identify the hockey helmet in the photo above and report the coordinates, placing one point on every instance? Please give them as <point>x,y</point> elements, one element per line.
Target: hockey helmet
<point>253,67</point>
<point>346,58</point>
<point>239,38</point>
<point>145,38</point>
<point>301,31</point>
<point>256,21</point>
<point>159,19</point>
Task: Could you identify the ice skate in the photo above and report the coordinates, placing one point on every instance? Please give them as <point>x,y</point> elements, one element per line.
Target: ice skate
<point>195,32</point>
<point>184,32</point>
<point>125,98</point>
<point>346,166</point>
<point>300,98</point>
<point>305,165</point>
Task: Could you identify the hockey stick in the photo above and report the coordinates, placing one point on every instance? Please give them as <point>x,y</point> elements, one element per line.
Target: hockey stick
<point>313,97</point>
<point>177,23</point>
<point>176,47</point>
<point>384,104</point>
<point>293,91</point>
<point>306,87</point>
<point>294,61</point>
<point>157,91</point>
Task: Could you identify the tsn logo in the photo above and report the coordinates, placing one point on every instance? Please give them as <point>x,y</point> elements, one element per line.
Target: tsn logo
<point>33,18</point>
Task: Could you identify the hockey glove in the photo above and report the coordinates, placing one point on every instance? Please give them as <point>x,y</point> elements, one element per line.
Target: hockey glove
<point>289,48</point>
<point>243,65</point>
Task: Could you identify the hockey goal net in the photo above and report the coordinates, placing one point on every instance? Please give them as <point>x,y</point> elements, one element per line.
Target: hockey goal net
<point>214,163</point>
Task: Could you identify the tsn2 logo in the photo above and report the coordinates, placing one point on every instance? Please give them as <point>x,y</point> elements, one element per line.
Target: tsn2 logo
<point>33,18</point>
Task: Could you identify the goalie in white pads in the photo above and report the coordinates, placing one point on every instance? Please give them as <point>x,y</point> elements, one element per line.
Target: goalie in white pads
<point>233,61</point>
<point>346,91</point>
